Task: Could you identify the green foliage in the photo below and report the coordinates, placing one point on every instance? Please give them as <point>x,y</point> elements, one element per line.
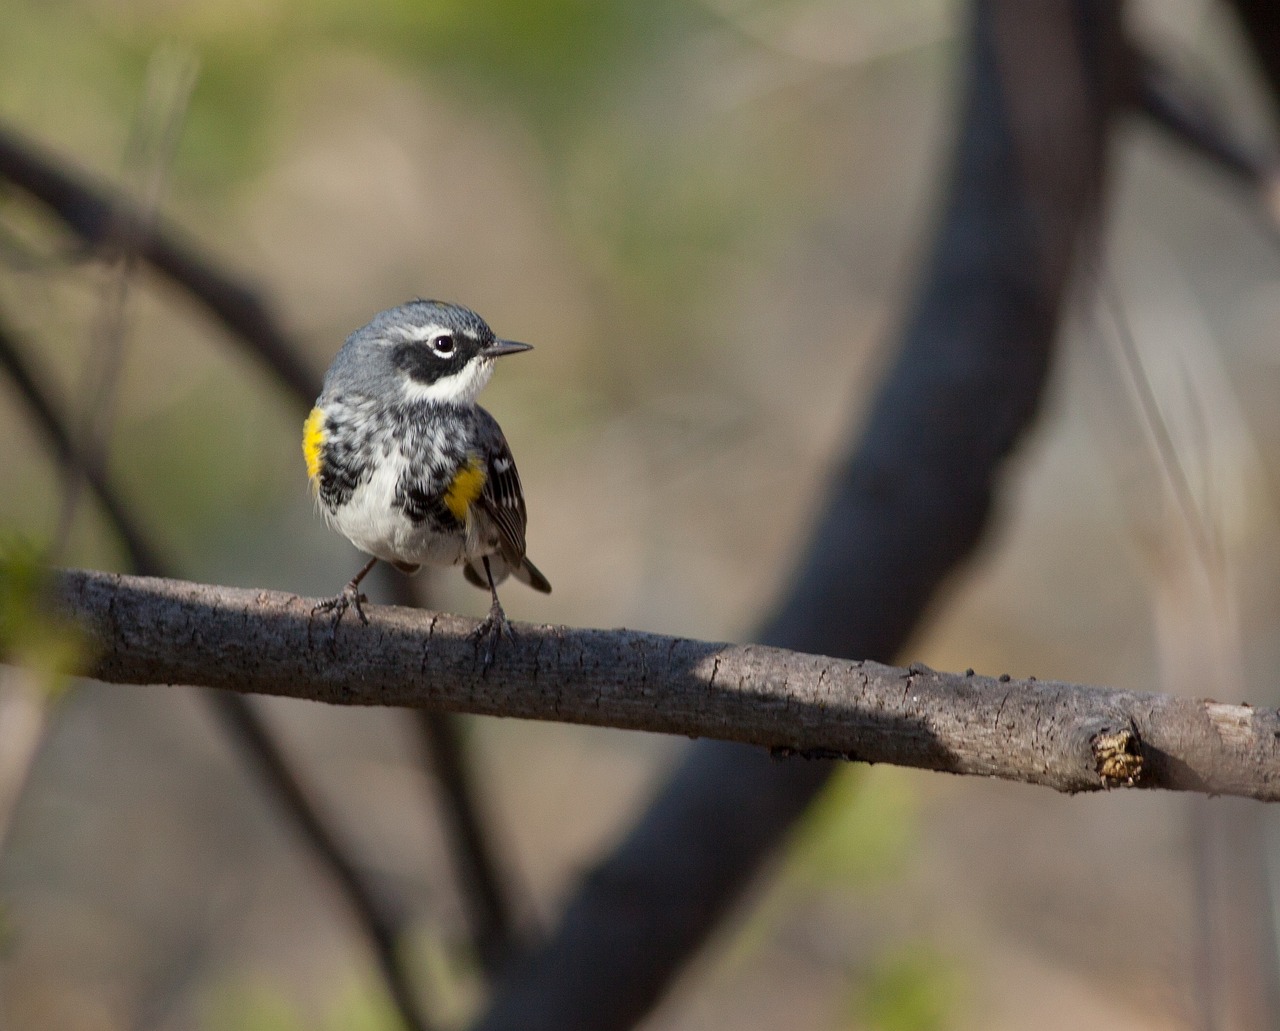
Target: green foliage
<point>252,1007</point>
<point>257,1006</point>
<point>859,831</point>
<point>449,978</point>
<point>225,138</point>
<point>664,210</point>
<point>450,973</point>
<point>913,989</point>
<point>551,58</point>
<point>857,834</point>
<point>201,464</point>
<point>363,1008</point>
<point>8,933</point>
<point>30,635</point>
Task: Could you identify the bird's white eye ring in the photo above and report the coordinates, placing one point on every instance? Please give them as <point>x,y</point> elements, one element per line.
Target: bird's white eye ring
<point>444,345</point>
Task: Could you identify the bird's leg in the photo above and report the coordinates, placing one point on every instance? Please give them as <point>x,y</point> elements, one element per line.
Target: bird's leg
<point>346,598</point>
<point>495,624</point>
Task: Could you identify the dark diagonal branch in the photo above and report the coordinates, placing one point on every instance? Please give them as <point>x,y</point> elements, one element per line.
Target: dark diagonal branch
<point>36,397</point>
<point>1175,104</point>
<point>905,508</point>
<point>378,922</point>
<point>1260,20</point>
<point>1071,738</point>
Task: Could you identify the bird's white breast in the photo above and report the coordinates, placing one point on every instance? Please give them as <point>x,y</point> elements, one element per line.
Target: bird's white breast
<point>373,521</point>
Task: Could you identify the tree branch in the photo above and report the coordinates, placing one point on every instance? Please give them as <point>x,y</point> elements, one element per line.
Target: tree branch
<point>482,886</point>
<point>379,920</point>
<point>1177,105</point>
<point>28,383</point>
<point>1260,20</point>
<point>1063,736</point>
<point>98,214</point>
<point>485,891</point>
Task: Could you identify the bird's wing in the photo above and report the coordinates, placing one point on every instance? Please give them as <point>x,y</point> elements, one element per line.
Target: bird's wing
<point>502,499</point>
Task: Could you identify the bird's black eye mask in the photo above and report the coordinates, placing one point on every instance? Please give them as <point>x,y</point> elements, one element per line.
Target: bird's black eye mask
<point>424,365</point>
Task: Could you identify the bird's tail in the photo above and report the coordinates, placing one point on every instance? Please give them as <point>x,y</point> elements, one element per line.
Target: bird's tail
<point>530,574</point>
<point>526,573</point>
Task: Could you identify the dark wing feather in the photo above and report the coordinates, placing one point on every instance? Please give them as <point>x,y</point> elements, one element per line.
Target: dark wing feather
<point>502,499</point>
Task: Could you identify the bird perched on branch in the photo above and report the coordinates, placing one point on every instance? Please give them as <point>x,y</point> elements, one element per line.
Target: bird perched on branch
<point>407,466</point>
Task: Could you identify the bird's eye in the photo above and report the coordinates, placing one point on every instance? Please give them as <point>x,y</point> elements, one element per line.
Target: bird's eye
<point>444,345</point>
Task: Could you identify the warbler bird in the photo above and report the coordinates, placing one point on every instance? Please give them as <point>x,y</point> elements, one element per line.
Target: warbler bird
<point>407,466</point>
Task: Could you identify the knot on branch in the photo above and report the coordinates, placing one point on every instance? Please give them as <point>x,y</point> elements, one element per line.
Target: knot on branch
<point>1117,756</point>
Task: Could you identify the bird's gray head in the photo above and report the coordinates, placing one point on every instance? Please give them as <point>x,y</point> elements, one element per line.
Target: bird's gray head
<point>421,351</point>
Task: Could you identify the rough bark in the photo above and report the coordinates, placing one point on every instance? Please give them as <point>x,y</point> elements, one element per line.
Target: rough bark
<point>1064,736</point>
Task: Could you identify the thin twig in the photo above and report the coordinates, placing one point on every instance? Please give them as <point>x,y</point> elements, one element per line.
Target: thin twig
<point>149,155</point>
<point>483,885</point>
<point>94,211</point>
<point>382,929</point>
<point>1183,497</point>
<point>481,882</point>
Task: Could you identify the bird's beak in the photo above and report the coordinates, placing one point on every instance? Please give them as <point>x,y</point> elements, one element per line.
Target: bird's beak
<point>500,347</point>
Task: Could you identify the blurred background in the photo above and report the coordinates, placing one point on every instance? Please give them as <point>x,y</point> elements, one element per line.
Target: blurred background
<point>707,219</point>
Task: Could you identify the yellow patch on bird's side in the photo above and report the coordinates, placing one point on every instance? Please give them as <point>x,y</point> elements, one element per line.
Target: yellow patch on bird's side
<point>313,441</point>
<point>467,484</point>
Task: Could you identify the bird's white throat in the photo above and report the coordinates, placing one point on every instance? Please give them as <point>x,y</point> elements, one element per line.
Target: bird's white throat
<point>459,389</point>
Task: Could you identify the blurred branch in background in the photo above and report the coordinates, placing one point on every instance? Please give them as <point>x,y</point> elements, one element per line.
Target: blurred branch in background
<point>1191,482</point>
<point>95,212</point>
<point>153,141</point>
<point>1064,736</point>
<point>1173,102</point>
<point>380,921</point>
<point>967,382</point>
<point>483,884</point>
<point>908,506</point>
<point>1261,22</point>
<point>37,397</point>
<point>1188,508</point>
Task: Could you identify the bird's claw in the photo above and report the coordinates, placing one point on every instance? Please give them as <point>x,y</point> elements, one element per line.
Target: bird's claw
<point>349,597</point>
<point>494,628</point>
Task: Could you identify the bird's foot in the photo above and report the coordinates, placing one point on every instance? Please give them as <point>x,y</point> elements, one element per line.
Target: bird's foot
<point>349,597</point>
<point>493,629</point>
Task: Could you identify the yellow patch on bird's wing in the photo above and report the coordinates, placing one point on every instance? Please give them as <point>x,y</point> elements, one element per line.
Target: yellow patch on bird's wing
<point>465,487</point>
<point>313,441</point>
